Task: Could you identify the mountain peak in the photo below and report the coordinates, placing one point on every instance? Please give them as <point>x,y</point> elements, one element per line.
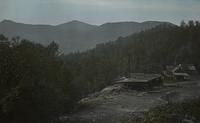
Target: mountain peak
<point>7,21</point>
<point>76,25</point>
<point>119,23</point>
<point>74,22</point>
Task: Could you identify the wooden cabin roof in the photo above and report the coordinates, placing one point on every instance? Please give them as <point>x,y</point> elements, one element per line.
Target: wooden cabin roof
<point>139,78</point>
<point>180,74</point>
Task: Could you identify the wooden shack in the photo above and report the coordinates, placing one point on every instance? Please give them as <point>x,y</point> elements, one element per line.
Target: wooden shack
<point>179,72</point>
<point>141,81</point>
<point>181,76</point>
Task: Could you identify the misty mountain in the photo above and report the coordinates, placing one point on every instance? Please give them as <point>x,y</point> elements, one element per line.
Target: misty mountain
<point>74,35</point>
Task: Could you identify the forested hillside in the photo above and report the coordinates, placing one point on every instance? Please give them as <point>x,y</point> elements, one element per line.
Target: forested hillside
<point>148,51</point>
<point>38,84</point>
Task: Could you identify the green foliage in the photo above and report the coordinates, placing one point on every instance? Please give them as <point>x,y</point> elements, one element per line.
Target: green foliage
<point>173,113</point>
<point>34,84</point>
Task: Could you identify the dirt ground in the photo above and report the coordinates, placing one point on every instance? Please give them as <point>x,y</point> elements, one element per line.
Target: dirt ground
<point>114,102</point>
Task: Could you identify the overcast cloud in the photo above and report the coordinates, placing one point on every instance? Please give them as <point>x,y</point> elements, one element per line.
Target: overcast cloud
<point>98,11</point>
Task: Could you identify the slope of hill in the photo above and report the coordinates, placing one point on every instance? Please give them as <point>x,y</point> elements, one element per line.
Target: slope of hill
<point>112,31</point>
<point>74,35</point>
<point>148,51</point>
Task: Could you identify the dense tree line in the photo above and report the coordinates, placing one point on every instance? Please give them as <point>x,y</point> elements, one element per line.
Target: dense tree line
<point>34,83</point>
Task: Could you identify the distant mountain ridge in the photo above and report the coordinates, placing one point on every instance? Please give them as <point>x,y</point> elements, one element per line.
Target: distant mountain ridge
<point>74,35</point>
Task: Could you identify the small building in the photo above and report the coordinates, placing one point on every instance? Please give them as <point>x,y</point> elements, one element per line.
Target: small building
<point>181,76</point>
<point>141,81</point>
<point>179,72</point>
<point>190,69</point>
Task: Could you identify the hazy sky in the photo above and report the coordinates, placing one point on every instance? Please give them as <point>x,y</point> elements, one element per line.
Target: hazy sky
<point>98,11</point>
